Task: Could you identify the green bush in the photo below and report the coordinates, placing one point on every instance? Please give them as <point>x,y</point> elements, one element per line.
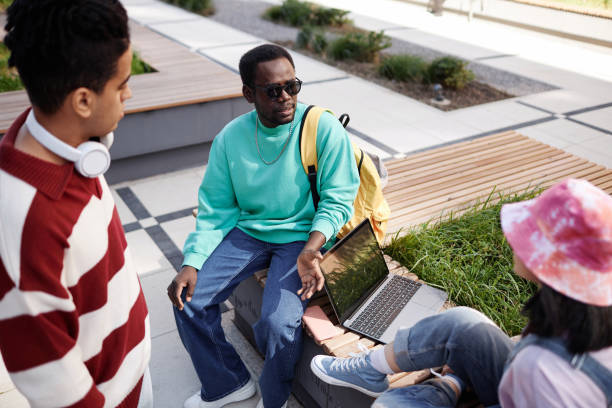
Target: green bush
<point>312,38</point>
<point>451,72</point>
<point>304,37</point>
<point>204,7</point>
<point>359,47</point>
<point>403,68</point>
<point>330,17</point>
<point>300,14</point>
<point>319,43</point>
<point>292,12</point>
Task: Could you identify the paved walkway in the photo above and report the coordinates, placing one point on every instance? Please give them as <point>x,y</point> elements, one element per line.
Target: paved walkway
<point>156,212</point>
<point>575,26</point>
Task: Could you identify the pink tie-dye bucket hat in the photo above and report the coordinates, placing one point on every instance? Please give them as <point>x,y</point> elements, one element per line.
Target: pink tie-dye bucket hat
<point>564,237</point>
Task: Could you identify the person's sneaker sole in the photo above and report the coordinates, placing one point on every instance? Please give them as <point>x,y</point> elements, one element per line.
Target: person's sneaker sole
<point>241,394</point>
<point>260,404</point>
<point>334,381</point>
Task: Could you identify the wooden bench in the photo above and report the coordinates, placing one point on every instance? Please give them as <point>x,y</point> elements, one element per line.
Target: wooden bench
<point>182,78</point>
<point>421,187</point>
<point>173,114</point>
<point>429,184</point>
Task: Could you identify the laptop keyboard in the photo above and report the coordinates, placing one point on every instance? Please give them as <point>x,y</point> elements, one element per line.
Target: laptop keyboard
<point>379,314</point>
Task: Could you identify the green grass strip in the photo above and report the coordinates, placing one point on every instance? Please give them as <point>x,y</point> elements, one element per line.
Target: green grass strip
<point>468,257</point>
<point>139,66</point>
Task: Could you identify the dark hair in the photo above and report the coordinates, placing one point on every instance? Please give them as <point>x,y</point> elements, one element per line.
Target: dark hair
<point>61,45</point>
<point>585,327</point>
<point>262,53</point>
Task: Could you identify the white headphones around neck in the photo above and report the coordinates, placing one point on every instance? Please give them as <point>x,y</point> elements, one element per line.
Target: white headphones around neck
<point>91,159</point>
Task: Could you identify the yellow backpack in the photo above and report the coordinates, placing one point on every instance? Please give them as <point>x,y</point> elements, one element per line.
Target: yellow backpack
<point>369,202</point>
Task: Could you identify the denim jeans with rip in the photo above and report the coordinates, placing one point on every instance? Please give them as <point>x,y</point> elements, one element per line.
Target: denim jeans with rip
<point>462,338</point>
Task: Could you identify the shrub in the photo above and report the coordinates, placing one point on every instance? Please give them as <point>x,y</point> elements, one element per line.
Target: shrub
<point>300,14</point>
<point>204,7</point>
<point>403,68</point>
<point>304,37</point>
<point>319,43</point>
<point>312,38</point>
<point>330,17</point>
<point>359,47</point>
<point>292,12</point>
<point>450,72</point>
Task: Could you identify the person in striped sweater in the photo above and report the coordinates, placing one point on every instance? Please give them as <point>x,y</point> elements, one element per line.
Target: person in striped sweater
<point>74,328</point>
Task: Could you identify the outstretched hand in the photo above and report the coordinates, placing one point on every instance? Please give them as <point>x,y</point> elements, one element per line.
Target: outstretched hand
<point>186,278</point>
<point>310,273</point>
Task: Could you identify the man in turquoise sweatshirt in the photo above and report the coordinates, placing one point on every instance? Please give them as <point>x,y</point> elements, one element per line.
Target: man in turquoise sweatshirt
<point>256,211</point>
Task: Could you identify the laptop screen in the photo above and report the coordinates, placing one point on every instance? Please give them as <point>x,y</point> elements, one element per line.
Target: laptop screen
<point>353,268</point>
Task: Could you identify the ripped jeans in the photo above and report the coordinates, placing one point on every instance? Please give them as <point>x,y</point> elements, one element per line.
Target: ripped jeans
<point>464,339</point>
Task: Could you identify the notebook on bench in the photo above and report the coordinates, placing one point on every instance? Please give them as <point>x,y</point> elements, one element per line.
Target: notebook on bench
<point>366,298</point>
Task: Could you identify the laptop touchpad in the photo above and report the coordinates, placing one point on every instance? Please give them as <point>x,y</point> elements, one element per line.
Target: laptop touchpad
<point>429,297</point>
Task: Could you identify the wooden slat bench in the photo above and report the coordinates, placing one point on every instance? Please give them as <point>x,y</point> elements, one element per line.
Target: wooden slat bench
<point>183,78</point>
<point>451,178</point>
<point>177,110</point>
<point>425,186</point>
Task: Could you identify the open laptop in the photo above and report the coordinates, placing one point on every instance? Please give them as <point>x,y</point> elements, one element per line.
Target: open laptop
<point>368,299</point>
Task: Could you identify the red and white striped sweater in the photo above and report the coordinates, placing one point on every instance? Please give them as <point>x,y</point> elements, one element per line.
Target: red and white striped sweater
<point>74,326</point>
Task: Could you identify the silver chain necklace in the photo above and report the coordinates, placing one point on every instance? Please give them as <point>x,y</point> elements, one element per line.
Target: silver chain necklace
<point>284,146</point>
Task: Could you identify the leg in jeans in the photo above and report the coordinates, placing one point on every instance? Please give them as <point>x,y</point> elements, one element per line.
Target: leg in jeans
<point>217,364</point>
<point>278,333</point>
<point>464,339</point>
<point>430,394</point>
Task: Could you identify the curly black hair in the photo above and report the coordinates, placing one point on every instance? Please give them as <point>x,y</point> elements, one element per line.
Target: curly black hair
<point>61,45</point>
<point>263,53</point>
<point>584,327</point>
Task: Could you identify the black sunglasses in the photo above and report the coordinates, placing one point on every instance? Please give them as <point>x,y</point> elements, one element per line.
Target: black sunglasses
<point>292,87</point>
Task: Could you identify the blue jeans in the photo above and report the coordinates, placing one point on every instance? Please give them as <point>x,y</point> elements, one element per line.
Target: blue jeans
<point>464,339</point>
<point>278,332</point>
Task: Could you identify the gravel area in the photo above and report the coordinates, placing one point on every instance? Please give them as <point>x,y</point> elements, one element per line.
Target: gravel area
<point>245,15</point>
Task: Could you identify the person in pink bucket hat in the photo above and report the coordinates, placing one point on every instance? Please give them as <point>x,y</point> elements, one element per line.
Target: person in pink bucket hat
<point>564,237</point>
<point>562,241</point>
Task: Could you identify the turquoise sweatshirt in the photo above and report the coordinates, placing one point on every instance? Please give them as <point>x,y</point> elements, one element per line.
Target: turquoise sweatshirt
<point>272,202</point>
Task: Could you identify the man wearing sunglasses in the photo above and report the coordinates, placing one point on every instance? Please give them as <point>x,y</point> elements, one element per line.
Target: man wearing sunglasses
<point>256,211</point>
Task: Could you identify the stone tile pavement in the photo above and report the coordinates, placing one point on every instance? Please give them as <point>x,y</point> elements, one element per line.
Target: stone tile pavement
<point>156,212</point>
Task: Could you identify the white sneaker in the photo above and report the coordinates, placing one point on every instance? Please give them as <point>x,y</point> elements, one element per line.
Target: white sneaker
<point>245,392</point>
<point>260,404</point>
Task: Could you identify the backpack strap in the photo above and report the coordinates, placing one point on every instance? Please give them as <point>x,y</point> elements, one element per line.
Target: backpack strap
<point>308,147</point>
<point>344,119</point>
<point>599,374</point>
<point>360,159</point>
